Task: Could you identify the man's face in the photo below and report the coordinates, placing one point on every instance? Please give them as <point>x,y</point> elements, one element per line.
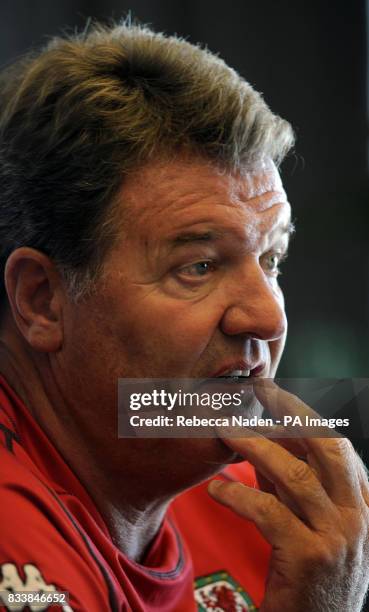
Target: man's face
<point>191,288</point>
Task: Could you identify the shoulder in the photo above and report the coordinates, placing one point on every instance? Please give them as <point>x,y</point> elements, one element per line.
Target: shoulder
<point>40,546</point>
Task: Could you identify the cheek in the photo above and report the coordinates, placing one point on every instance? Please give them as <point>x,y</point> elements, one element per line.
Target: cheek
<point>185,326</point>
<point>171,333</point>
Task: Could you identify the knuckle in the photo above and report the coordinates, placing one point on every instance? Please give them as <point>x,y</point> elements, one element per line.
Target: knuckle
<point>328,554</point>
<point>269,505</point>
<point>233,491</point>
<point>299,472</point>
<point>337,549</point>
<point>339,448</point>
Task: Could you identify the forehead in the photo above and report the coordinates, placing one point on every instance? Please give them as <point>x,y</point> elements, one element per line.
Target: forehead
<point>166,197</point>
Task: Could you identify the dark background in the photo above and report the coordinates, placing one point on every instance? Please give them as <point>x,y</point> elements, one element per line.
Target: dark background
<point>310,61</point>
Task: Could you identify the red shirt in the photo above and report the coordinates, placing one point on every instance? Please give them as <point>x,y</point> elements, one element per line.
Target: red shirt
<point>53,538</point>
<point>228,552</point>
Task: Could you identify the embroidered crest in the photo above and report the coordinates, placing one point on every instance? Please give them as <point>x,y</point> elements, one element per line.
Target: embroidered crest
<point>219,592</point>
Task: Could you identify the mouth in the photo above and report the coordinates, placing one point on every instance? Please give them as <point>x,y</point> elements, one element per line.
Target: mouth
<point>239,373</point>
<point>236,376</point>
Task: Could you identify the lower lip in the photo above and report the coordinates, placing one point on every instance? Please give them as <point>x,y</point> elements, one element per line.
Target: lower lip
<point>254,372</point>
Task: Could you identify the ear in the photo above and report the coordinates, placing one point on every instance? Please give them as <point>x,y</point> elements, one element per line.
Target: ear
<point>35,293</point>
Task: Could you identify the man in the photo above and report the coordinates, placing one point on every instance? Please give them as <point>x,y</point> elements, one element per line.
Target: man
<point>143,222</point>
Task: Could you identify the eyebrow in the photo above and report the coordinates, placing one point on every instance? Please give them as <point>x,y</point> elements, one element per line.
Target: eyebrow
<point>212,235</point>
<point>187,237</point>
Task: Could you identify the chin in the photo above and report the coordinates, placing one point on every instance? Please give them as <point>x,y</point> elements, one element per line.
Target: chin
<point>215,453</point>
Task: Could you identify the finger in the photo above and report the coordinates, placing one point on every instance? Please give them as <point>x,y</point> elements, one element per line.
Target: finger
<point>279,434</point>
<point>337,464</point>
<point>268,487</point>
<point>296,446</point>
<point>276,522</point>
<point>292,475</point>
<point>280,402</point>
<point>284,405</point>
<point>332,458</point>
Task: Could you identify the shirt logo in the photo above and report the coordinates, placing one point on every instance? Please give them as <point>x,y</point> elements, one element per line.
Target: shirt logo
<point>219,592</point>
<point>13,584</point>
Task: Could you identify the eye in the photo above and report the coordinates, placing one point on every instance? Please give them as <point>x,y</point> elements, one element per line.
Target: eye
<point>272,261</point>
<point>197,269</point>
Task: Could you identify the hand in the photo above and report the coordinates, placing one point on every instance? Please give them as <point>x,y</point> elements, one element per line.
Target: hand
<point>315,515</point>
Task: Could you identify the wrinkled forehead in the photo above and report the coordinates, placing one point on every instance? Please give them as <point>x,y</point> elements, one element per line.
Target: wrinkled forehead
<point>257,188</point>
<point>193,203</point>
<point>262,177</point>
<point>181,186</point>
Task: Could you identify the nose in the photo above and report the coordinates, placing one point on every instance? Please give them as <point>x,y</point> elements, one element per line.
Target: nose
<point>255,308</point>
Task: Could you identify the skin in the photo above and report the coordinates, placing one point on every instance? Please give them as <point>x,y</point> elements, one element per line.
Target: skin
<point>221,296</point>
<point>314,513</point>
<point>151,277</point>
